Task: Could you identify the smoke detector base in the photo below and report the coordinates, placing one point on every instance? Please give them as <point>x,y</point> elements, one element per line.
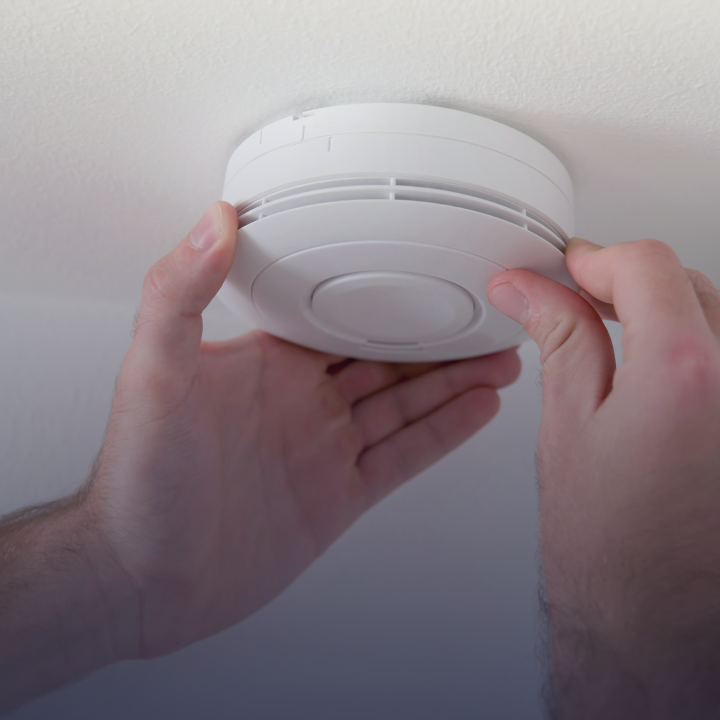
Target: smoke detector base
<point>372,231</point>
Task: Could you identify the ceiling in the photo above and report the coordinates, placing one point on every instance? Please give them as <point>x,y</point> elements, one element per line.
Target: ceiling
<point>118,117</point>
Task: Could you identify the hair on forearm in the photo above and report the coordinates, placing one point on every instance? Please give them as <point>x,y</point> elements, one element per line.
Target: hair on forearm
<point>669,668</point>
<point>18,518</point>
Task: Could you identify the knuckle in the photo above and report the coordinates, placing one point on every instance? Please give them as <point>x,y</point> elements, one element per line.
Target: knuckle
<point>558,335</point>
<point>156,286</point>
<point>691,372</point>
<point>652,247</point>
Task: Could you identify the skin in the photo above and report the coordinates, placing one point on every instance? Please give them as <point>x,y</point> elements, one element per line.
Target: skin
<point>629,478</point>
<point>227,469</point>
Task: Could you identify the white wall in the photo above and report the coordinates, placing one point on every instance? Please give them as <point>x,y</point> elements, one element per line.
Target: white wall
<point>425,609</point>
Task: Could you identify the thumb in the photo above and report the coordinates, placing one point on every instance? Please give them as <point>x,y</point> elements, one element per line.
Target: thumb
<point>576,352</point>
<point>177,289</point>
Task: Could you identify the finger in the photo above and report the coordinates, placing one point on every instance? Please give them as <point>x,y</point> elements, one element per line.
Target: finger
<point>577,356</point>
<point>179,287</point>
<point>650,290</point>
<point>385,466</point>
<point>323,361</point>
<point>364,377</point>
<point>386,412</point>
<point>707,294</point>
<point>709,298</point>
<point>605,310</point>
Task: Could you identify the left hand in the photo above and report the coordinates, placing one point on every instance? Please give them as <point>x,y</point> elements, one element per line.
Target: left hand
<point>228,467</point>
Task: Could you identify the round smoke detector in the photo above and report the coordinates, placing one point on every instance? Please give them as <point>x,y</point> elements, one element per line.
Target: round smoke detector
<point>372,231</point>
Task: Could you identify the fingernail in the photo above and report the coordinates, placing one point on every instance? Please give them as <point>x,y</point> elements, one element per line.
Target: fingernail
<point>205,234</point>
<point>510,301</point>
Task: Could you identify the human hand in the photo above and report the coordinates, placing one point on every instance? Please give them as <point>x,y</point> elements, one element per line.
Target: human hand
<point>228,467</point>
<point>629,475</point>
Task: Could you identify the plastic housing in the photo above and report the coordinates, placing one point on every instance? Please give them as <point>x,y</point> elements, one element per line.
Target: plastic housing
<point>372,231</point>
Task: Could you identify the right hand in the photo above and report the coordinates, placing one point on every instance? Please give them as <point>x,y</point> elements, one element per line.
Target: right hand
<point>629,476</point>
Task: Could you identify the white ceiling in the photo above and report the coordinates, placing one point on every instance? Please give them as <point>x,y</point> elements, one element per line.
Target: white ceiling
<point>118,117</point>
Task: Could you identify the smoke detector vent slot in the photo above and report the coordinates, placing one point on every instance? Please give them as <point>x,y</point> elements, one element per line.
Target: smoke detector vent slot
<point>404,189</point>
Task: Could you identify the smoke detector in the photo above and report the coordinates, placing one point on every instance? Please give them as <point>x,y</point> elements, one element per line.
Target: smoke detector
<point>372,231</point>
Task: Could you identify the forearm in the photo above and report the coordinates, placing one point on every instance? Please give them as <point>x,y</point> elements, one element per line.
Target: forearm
<point>635,640</point>
<point>65,607</point>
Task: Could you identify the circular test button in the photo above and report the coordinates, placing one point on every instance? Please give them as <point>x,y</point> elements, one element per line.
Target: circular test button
<point>392,307</point>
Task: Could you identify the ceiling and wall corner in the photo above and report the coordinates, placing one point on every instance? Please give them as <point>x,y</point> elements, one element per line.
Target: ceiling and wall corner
<point>118,119</point>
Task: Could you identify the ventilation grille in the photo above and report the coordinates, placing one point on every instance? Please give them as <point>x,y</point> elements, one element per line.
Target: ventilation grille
<point>399,189</point>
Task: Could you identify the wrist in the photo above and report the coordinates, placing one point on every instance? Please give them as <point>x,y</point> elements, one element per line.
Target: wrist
<point>109,590</point>
<point>67,606</point>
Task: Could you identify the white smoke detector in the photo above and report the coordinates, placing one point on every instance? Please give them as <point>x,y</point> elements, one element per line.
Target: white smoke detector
<point>372,231</point>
